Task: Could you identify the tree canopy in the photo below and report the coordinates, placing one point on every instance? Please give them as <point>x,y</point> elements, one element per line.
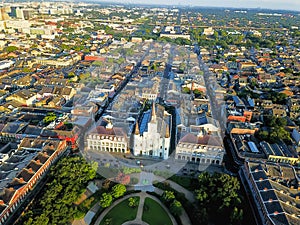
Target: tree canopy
<point>168,196</point>
<point>66,182</point>
<point>118,190</point>
<point>219,194</point>
<point>106,200</point>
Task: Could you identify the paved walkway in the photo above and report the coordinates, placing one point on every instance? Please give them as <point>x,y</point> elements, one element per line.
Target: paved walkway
<point>91,212</point>
<point>188,194</point>
<point>103,214</point>
<point>183,217</point>
<point>138,219</point>
<point>150,177</point>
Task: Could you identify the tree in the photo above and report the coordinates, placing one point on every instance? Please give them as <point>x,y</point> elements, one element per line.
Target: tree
<point>280,121</point>
<point>168,196</point>
<point>50,117</point>
<point>123,179</point>
<point>118,190</point>
<point>264,135</point>
<point>106,184</point>
<point>71,74</point>
<point>236,215</point>
<point>10,49</point>
<point>176,208</point>
<point>198,93</point>
<point>67,181</point>
<point>108,221</point>
<point>186,90</point>
<point>106,200</point>
<point>133,202</point>
<point>218,193</point>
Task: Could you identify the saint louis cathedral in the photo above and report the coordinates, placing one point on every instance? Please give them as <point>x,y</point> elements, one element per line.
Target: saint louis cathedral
<point>152,133</point>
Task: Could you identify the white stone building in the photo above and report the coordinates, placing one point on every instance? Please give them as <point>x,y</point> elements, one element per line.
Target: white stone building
<point>108,139</point>
<point>152,134</point>
<point>202,148</point>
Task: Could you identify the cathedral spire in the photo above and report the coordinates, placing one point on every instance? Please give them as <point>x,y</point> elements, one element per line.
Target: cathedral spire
<point>153,113</point>
<point>167,135</point>
<point>137,129</point>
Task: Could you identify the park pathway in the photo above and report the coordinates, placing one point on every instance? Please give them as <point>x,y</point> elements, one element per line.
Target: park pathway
<point>103,214</point>
<point>138,221</point>
<point>188,194</point>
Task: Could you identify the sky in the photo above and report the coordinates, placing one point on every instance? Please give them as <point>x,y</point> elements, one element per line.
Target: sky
<point>270,4</point>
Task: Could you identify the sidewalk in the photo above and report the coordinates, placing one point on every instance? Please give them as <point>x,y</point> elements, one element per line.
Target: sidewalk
<point>103,214</point>
<point>138,219</point>
<point>188,194</point>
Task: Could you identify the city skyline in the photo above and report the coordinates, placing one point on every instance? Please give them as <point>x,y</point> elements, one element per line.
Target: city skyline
<point>268,4</point>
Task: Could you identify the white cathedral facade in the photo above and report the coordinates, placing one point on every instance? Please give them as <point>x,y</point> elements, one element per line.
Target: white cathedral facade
<point>152,135</point>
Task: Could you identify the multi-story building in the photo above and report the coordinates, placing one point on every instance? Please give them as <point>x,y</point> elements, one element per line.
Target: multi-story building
<point>203,148</point>
<point>274,189</point>
<point>23,169</point>
<point>108,139</point>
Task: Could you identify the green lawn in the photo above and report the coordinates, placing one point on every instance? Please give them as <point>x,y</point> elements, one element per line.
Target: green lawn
<point>154,214</point>
<point>120,213</point>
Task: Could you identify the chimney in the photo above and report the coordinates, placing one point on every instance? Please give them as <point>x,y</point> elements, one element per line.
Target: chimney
<point>201,133</point>
<point>109,126</point>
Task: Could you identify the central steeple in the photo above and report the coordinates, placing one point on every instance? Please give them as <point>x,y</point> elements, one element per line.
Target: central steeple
<point>137,130</point>
<point>153,113</point>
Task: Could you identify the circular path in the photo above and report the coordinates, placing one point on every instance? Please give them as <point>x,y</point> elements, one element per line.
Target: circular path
<point>138,219</point>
